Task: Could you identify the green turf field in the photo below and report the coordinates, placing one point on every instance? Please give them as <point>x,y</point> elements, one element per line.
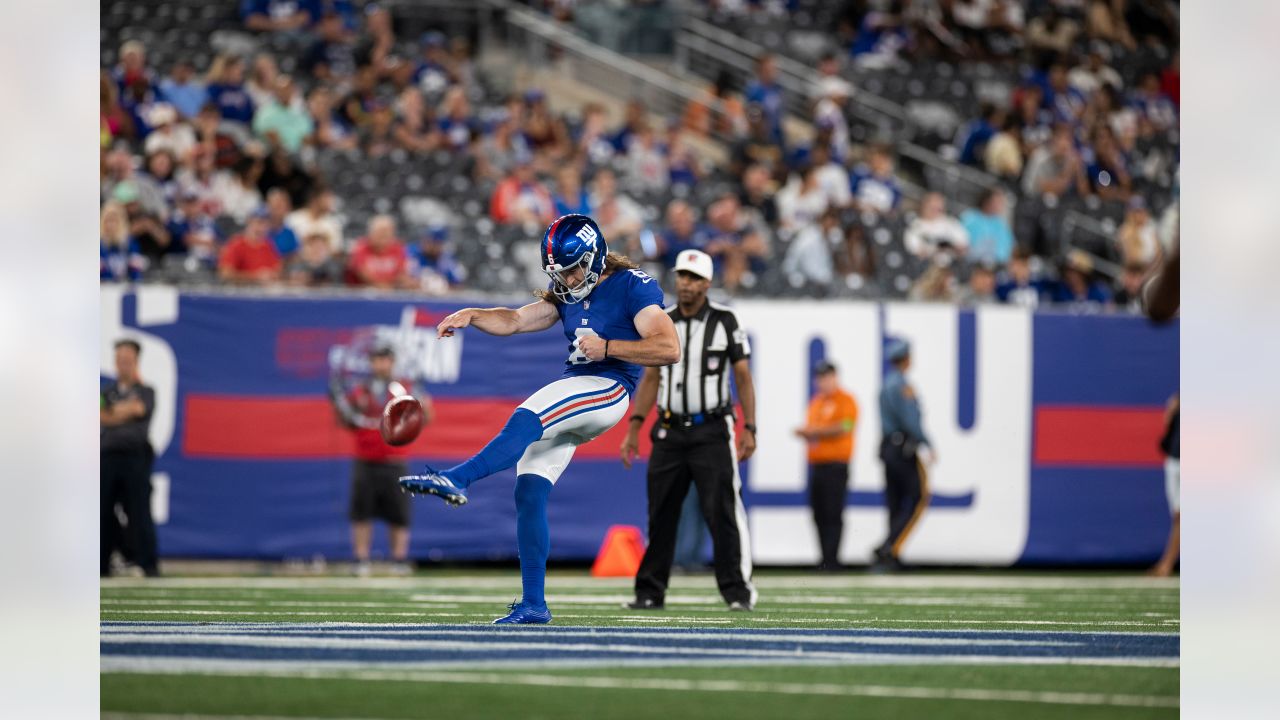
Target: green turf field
<point>981,645</point>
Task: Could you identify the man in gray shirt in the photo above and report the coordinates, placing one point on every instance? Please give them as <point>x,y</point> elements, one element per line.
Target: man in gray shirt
<point>125,408</point>
<point>1055,168</point>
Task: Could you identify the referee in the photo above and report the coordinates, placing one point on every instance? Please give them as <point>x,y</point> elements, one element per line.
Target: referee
<point>693,440</point>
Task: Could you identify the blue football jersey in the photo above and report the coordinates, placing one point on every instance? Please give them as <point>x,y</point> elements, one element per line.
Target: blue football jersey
<point>609,312</point>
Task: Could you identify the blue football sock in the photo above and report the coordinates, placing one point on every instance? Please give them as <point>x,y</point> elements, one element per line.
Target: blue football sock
<point>522,430</point>
<point>533,536</point>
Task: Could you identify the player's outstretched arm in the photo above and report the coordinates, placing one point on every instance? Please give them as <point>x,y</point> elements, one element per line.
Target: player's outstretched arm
<point>533,317</point>
<point>658,344</point>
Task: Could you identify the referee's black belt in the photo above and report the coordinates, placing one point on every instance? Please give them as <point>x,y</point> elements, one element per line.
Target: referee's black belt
<point>670,419</point>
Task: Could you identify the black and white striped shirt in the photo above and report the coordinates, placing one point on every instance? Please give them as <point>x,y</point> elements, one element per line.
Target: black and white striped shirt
<point>710,343</point>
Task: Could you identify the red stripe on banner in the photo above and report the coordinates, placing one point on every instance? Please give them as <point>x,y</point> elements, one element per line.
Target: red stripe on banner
<point>585,401</point>
<point>220,426</point>
<point>426,318</point>
<point>1067,435</point>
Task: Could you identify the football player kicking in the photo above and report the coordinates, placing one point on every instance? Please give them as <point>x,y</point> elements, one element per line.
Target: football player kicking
<point>612,317</point>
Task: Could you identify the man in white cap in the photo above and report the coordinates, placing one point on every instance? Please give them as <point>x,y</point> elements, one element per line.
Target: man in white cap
<point>167,133</point>
<point>694,439</point>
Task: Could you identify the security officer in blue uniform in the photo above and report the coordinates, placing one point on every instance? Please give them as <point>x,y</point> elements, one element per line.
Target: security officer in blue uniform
<point>906,487</point>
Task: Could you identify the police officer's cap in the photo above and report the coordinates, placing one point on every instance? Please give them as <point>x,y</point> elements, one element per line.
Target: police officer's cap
<point>897,350</point>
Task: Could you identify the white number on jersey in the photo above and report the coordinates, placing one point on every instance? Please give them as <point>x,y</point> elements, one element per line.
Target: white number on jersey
<point>644,277</point>
<point>577,357</point>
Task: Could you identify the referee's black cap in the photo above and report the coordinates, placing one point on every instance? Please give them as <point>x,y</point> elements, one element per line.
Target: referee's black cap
<point>382,350</point>
<point>823,367</point>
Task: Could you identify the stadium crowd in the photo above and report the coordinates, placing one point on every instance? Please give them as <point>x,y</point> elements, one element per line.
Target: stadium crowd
<point>292,158</point>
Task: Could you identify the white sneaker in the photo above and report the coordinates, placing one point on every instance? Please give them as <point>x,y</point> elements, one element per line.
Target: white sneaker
<point>363,569</point>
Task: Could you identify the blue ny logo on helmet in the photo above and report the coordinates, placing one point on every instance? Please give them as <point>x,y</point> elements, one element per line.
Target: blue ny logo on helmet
<point>571,242</point>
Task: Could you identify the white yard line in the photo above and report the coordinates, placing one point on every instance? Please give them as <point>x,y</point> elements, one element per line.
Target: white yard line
<point>596,599</point>
<point>722,686</point>
<point>972,621</point>
<point>770,598</point>
<point>275,603</point>
<point>765,582</point>
<point>167,625</point>
<point>188,716</point>
<point>664,619</point>
<point>286,613</point>
<point>303,668</point>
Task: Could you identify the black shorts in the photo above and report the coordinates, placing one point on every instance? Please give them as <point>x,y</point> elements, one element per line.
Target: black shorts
<point>375,492</point>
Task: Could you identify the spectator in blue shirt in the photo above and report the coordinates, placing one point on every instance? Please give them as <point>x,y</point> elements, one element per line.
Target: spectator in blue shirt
<point>119,258</point>
<point>278,208</point>
<point>682,165</point>
<point>132,68</point>
<point>735,241</point>
<point>432,73</point>
<point>226,89</point>
<point>764,91</point>
<point>331,59</point>
<point>881,37</point>
<point>279,15</point>
<point>1153,105</point>
<point>1034,120</point>
<point>682,233</point>
<point>457,124</point>
<point>1018,286</point>
<point>634,118</point>
<point>1066,102</point>
<point>874,186</point>
<point>138,99</point>
<point>570,197</point>
<point>591,136</point>
<point>973,137</point>
<point>1077,286</point>
<point>1106,166</point>
<point>182,89</point>
<point>990,235</point>
<point>184,219</point>
<point>433,264</point>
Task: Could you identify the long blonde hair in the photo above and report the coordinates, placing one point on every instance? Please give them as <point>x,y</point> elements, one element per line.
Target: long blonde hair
<point>613,262</point>
<point>109,210</point>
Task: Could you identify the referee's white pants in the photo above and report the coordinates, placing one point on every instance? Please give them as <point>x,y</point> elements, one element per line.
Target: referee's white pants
<point>573,411</point>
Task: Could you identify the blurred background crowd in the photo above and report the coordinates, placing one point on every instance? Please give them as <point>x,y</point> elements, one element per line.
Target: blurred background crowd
<point>968,151</point>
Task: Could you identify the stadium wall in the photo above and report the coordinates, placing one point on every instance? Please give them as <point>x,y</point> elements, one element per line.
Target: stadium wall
<point>1046,427</point>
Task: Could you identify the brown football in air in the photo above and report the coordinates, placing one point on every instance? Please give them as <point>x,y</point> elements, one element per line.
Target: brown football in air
<point>401,420</point>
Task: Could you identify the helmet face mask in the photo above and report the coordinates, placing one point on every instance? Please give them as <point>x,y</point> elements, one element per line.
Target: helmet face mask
<point>560,277</point>
<point>574,251</point>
